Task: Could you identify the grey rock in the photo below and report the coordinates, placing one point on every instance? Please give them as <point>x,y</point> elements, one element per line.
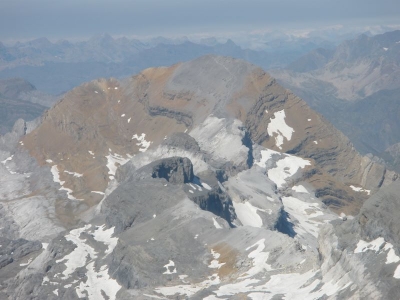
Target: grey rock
<point>183,141</point>
<point>176,170</point>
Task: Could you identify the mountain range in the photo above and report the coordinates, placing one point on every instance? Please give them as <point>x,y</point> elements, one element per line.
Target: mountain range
<point>203,180</point>
<point>58,67</point>
<point>355,86</point>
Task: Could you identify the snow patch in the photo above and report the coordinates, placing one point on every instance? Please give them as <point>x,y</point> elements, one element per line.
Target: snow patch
<point>279,128</point>
<point>74,174</point>
<point>98,283</point>
<point>304,213</point>
<point>214,264</point>
<point>97,192</point>
<point>216,224</point>
<point>105,236</point>
<point>112,160</point>
<point>300,189</point>
<point>144,145</point>
<point>78,257</point>
<point>259,260</point>
<point>286,168</point>
<point>167,266</point>
<point>360,189</point>
<point>375,245</point>
<point>56,175</point>
<point>27,263</point>
<point>266,155</point>
<point>247,214</point>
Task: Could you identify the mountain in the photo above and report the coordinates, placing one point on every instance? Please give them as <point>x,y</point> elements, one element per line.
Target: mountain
<point>356,88</point>
<point>202,180</point>
<point>19,99</point>
<point>357,68</point>
<point>58,67</point>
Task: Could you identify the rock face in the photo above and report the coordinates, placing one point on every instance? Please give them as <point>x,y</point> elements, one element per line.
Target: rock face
<point>204,180</point>
<point>365,249</point>
<point>176,170</point>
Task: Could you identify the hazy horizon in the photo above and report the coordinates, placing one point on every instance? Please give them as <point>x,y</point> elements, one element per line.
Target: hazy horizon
<point>77,20</point>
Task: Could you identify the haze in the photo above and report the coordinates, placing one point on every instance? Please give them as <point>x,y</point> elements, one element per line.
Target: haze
<point>24,19</point>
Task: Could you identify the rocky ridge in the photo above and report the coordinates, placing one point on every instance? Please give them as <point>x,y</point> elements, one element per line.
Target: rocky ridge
<point>230,200</point>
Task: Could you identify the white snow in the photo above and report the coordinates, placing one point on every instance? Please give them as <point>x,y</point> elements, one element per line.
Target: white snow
<point>116,88</point>
<point>69,193</point>
<point>98,192</point>
<point>144,145</point>
<point>78,257</point>
<point>55,292</point>
<point>286,168</point>
<point>112,160</point>
<point>259,260</point>
<point>49,161</point>
<point>386,49</point>
<point>309,120</point>
<point>214,264</point>
<point>397,272</point>
<point>123,115</point>
<point>27,263</point>
<point>167,266</point>
<point>216,224</point>
<point>391,255</point>
<point>300,189</point>
<point>304,213</point>
<point>190,191</point>
<point>56,175</point>
<point>266,155</point>
<point>375,245</point>
<point>206,186</point>
<point>105,236</point>
<point>91,152</point>
<point>360,189</point>
<point>247,214</point>
<point>74,174</point>
<point>96,92</point>
<point>279,128</point>
<point>129,120</point>
<point>315,142</point>
<point>98,282</point>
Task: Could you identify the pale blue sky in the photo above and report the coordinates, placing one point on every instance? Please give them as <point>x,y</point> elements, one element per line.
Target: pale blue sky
<point>21,19</point>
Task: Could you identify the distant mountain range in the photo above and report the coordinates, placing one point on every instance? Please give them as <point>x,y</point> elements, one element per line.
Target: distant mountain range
<point>356,87</point>
<point>58,67</point>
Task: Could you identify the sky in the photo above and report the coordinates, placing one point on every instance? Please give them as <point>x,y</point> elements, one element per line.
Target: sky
<point>74,19</point>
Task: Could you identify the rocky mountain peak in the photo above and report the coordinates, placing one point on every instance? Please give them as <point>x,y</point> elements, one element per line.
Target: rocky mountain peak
<point>186,181</point>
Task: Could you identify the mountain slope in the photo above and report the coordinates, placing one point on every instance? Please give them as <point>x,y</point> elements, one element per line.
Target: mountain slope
<point>356,89</point>
<point>203,180</point>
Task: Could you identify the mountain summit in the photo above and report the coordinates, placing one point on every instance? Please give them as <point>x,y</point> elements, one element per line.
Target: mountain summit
<point>203,180</point>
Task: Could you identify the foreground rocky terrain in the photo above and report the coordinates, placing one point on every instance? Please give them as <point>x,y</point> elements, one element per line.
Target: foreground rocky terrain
<point>203,180</point>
